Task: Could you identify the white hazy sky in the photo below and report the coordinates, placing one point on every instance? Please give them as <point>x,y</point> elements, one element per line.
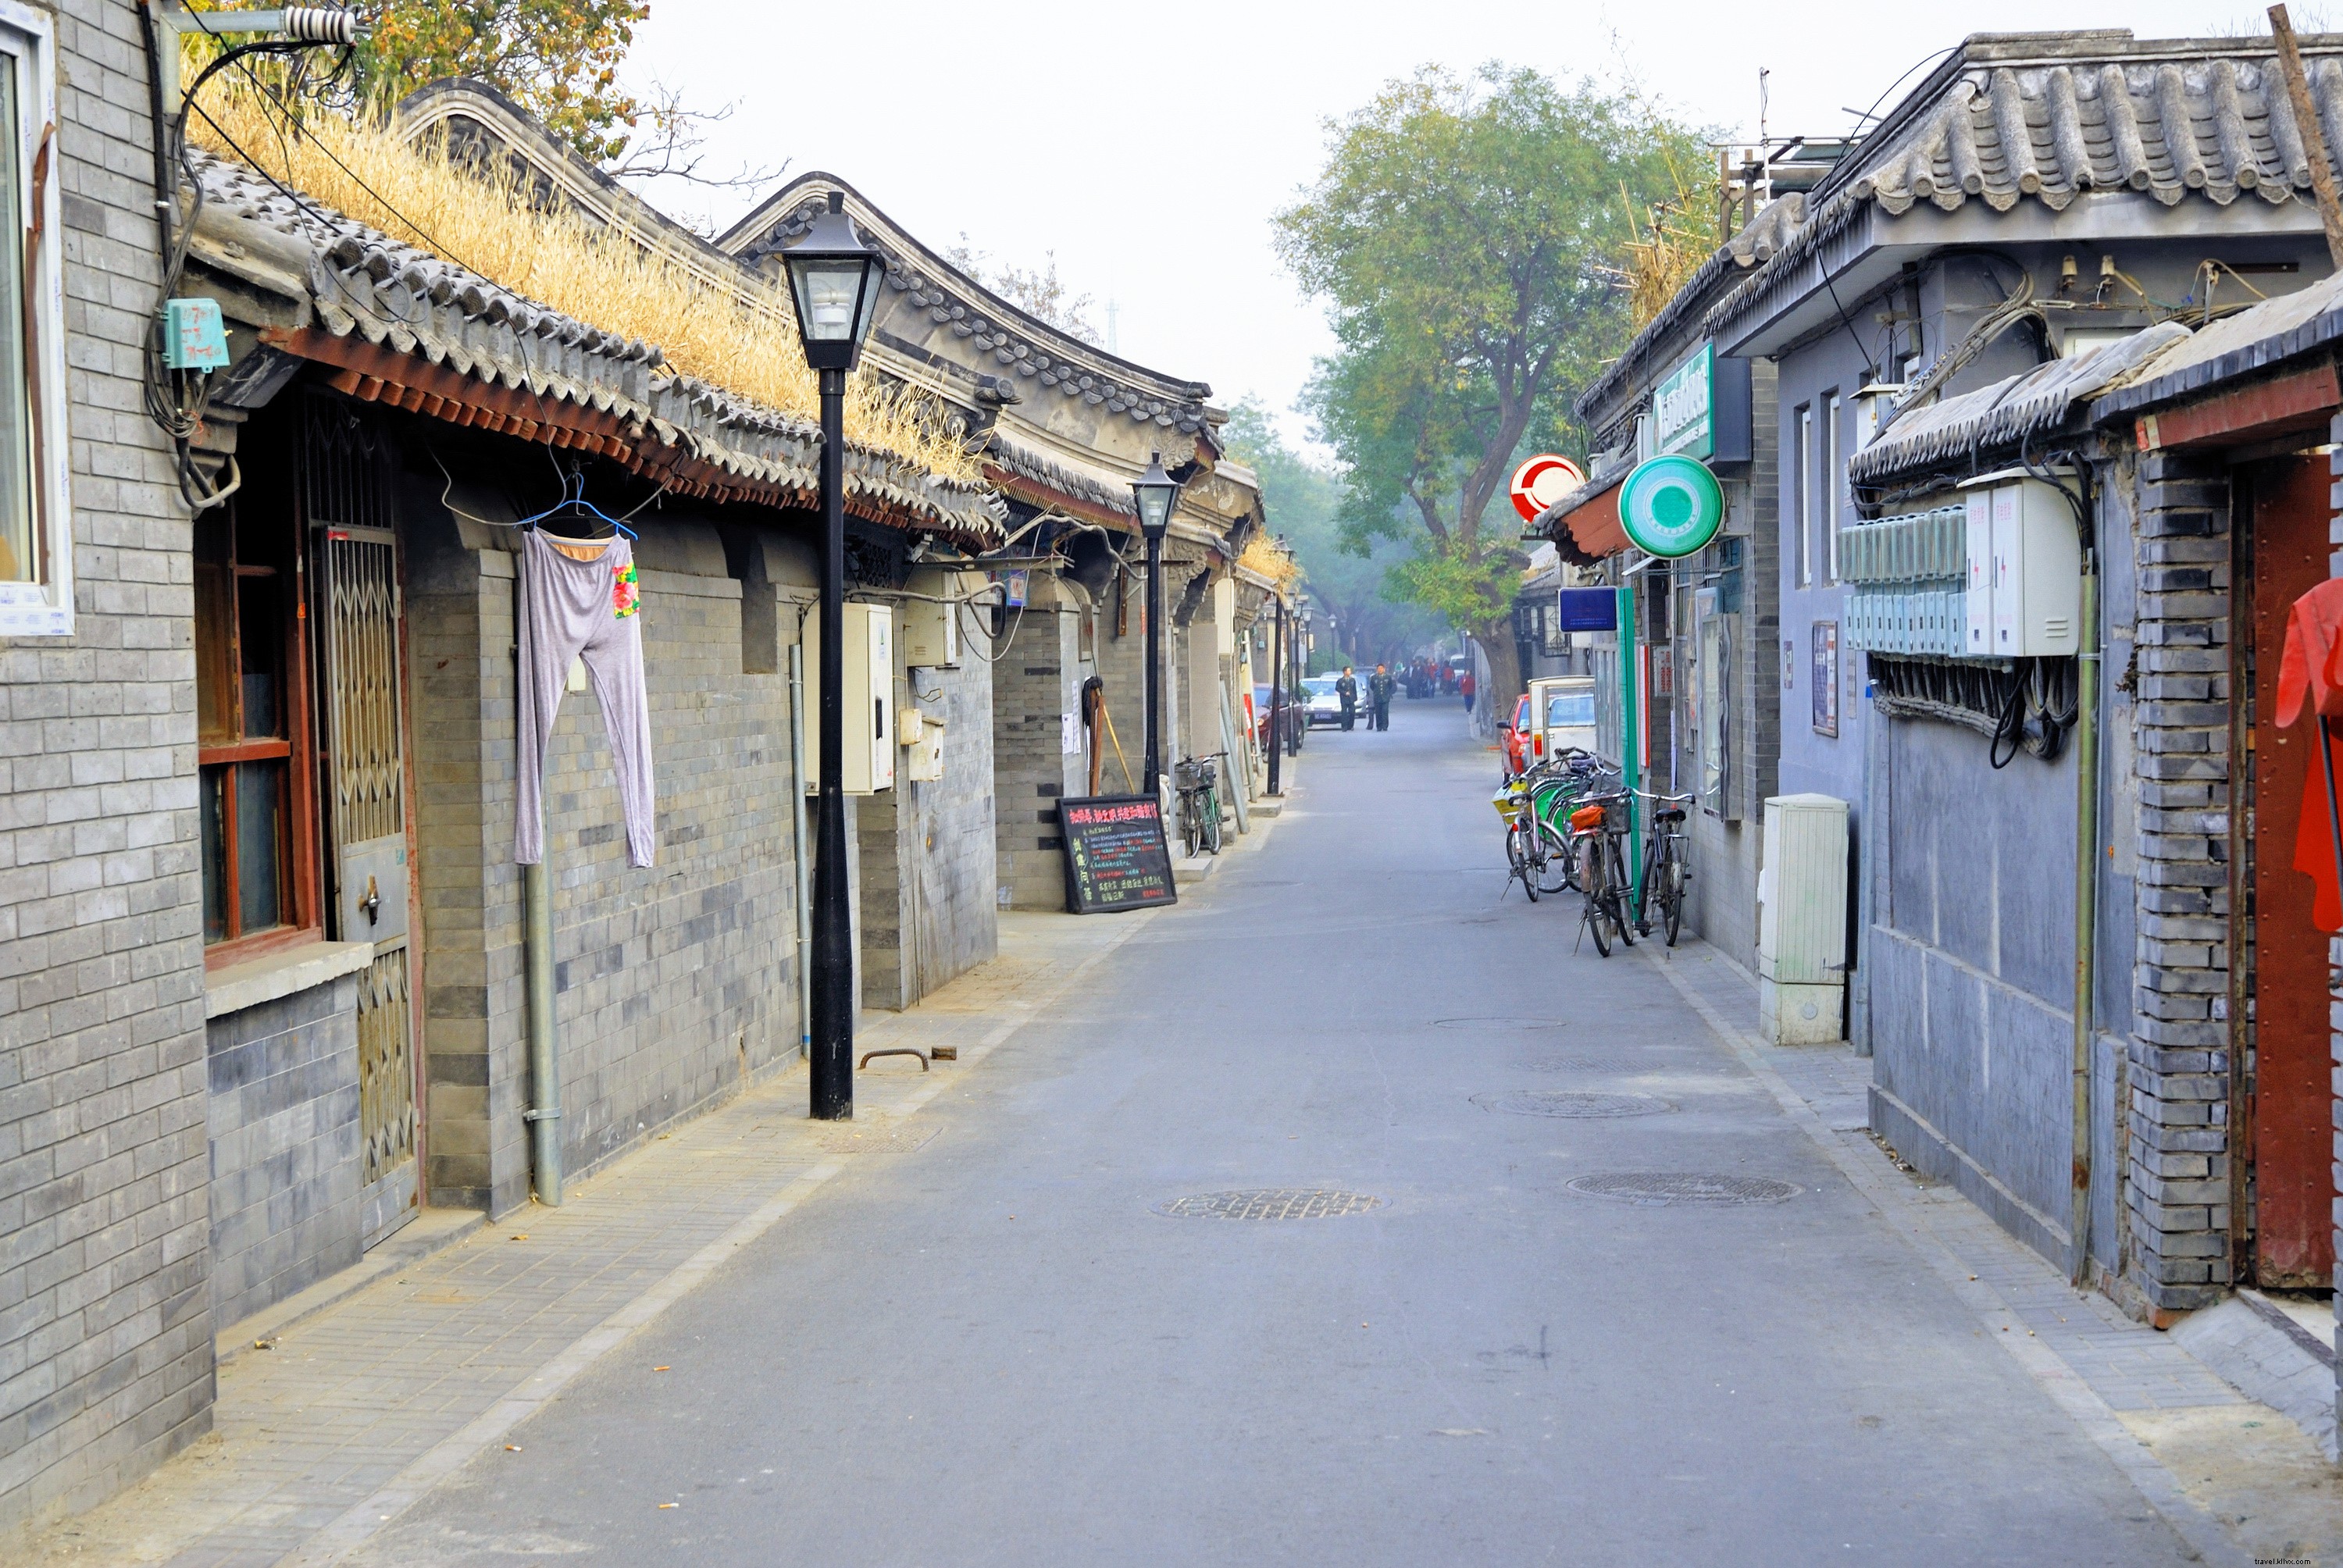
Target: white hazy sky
<point>1148,146</point>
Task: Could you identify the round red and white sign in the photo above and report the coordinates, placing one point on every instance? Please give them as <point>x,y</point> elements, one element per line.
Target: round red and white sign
<point>1543,480</point>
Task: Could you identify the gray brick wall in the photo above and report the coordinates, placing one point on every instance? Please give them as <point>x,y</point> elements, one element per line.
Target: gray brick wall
<point>285,1150</point>
<point>1037,676</point>
<point>2178,1193</point>
<point>928,850</point>
<point>106,1328</point>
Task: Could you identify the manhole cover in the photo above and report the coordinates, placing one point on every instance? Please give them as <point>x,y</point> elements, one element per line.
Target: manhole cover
<point>1682,1187</point>
<point>880,1140</point>
<point>1568,1102</point>
<point>1270,1203</point>
<point>1493,1025</point>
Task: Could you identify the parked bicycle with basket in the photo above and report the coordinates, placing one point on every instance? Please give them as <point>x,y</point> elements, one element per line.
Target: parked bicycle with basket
<point>1668,865</point>
<point>1598,828</point>
<point>1198,781</point>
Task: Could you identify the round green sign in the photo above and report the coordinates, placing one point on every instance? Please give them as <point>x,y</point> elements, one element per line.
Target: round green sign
<point>1671,505</point>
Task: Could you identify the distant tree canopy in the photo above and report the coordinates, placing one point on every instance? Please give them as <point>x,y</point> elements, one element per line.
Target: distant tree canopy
<point>1464,236</point>
<point>1303,502</point>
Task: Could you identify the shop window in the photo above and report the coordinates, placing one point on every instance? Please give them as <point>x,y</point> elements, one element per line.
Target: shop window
<point>36,555</point>
<point>252,722</point>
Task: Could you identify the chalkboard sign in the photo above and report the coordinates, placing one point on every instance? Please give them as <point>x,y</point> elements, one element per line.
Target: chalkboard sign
<point>1116,858</point>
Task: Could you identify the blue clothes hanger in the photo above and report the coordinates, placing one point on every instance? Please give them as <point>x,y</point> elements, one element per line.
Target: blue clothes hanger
<point>573,495</point>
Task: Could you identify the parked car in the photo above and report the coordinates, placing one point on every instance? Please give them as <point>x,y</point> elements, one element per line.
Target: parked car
<point>1325,703</point>
<point>1295,715</point>
<point>1515,737</point>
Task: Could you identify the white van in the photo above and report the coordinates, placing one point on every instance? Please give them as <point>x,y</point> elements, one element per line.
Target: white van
<point>1562,712</point>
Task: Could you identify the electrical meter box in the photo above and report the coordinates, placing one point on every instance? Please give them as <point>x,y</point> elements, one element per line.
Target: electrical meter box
<point>1802,919</point>
<point>930,635</point>
<point>2024,570</point>
<point>867,688</point>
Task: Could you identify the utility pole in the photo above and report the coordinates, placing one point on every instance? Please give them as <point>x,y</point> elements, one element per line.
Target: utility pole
<point>2306,125</point>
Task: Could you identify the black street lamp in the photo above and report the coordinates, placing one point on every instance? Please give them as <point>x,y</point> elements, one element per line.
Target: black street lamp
<point>1154,491</point>
<point>1276,689</point>
<point>835,279</point>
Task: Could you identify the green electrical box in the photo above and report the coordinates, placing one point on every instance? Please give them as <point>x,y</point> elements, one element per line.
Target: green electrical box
<point>193,337</point>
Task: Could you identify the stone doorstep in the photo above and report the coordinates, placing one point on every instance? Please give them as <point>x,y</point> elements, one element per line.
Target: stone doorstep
<point>429,1231</point>
<point>2263,1352</point>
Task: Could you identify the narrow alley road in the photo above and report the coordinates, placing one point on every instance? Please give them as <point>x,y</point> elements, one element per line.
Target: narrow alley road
<point>995,1347</point>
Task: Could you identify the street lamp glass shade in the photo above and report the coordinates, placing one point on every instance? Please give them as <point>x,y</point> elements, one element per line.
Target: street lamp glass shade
<point>835,278</point>
<point>1154,491</point>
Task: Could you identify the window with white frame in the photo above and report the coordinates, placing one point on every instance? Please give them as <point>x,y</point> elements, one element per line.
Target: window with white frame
<point>1802,470</point>
<point>35,538</point>
<point>1829,475</point>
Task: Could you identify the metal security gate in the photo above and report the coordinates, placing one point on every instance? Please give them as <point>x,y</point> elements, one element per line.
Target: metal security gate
<point>347,498</point>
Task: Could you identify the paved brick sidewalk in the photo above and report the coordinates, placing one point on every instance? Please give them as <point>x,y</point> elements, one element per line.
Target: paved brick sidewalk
<point>369,1401</point>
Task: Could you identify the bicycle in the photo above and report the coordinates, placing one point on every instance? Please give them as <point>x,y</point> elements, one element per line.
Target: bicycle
<point>1525,852</point>
<point>1556,787</point>
<point>1198,779</point>
<point>1668,865</point>
<point>1596,828</point>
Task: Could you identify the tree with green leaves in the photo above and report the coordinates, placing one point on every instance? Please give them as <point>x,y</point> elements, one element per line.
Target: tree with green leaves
<point>1464,236</point>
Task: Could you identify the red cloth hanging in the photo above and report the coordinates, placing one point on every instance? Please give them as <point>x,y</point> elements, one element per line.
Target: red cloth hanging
<point>2310,682</point>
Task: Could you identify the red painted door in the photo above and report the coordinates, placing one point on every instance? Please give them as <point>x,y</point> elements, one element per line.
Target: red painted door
<point>2289,1129</point>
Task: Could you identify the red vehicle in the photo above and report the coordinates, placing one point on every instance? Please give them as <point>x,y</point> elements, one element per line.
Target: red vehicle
<point>1516,734</point>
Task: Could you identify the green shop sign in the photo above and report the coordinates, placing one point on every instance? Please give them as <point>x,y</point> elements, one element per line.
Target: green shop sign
<point>1671,505</point>
<point>1683,408</point>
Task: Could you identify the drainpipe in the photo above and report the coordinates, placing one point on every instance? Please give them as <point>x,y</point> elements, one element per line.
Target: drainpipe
<point>1630,776</point>
<point>2087,903</point>
<point>798,828</point>
<point>544,1118</point>
<point>544,1069</point>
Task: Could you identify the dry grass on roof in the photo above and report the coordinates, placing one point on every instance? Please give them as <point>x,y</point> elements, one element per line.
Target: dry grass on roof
<point>1263,554</point>
<point>736,333</point>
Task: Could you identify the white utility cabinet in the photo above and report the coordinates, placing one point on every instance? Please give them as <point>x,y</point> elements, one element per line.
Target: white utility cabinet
<point>867,689</point>
<point>930,635</point>
<point>2032,566</point>
<point>1802,919</point>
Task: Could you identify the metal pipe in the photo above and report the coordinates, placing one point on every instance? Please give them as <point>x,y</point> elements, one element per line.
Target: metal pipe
<point>1276,692</point>
<point>2086,907</point>
<point>800,842</point>
<point>544,1118</point>
<point>830,1058</point>
<point>1152,765</point>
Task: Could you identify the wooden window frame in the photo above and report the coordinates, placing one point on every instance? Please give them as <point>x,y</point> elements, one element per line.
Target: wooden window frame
<point>295,748</point>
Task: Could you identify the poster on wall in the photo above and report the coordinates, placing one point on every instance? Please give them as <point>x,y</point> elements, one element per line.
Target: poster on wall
<point>1826,682</point>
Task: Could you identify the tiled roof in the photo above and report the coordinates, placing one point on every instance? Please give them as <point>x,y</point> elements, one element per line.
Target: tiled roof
<point>2009,413</point>
<point>2045,117</point>
<point>2251,340</point>
<point>405,326</point>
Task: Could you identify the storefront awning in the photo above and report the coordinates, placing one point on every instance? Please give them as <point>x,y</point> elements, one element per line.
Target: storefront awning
<point>1585,524</point>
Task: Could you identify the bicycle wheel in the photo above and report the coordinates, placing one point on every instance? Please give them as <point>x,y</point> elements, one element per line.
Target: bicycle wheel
<point>1555,872</point>
<point>1189,824</point>
<point>1622,890</point>
<point>1672,894</point>
<point>1590,878</point>
<point>1211,815</point>
<point>1517,860</point>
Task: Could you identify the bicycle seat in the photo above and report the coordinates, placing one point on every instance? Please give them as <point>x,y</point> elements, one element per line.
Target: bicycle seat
<point>1674,816</point>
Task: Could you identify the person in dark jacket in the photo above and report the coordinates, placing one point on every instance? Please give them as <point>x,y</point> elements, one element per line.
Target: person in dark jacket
<point>1379,694</point>
<point>1347,688</point>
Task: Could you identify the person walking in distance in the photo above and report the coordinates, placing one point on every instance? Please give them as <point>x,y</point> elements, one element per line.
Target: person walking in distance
<point>1465,686</point>
<point>1379,694</point>
<point>1347,688</point>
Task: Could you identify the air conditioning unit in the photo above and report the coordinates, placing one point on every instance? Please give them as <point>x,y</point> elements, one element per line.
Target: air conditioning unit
<point>866,687</point>
<point>1802,919</point>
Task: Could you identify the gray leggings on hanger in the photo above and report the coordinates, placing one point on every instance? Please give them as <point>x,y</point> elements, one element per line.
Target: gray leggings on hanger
<point>573,608</point>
